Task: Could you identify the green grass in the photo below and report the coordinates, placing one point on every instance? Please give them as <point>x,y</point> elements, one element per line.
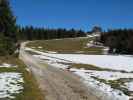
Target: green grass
<point>31,90</point>
<point>75,45</point>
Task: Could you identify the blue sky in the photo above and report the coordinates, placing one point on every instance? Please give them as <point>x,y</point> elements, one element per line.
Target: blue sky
<point>79,14</point>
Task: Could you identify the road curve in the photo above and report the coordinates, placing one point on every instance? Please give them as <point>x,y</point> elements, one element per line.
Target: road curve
<point>56,84</point>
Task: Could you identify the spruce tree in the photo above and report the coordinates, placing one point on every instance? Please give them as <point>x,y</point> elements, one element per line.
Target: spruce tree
<point>7,28</point>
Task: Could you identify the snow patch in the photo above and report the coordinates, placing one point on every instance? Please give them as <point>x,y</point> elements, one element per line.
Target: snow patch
<point>40,47</point>
<point>93,35</point>
<point>10,83</point>
<point>101,90</point>
<point>89,45</point>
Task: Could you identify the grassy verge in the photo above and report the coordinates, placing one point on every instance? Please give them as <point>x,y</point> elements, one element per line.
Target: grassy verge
<point>31,90</point>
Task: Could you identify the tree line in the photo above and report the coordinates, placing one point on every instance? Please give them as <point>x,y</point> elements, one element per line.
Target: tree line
<point>33,33</point>
<point>119,41</point>
<point>11,33</point>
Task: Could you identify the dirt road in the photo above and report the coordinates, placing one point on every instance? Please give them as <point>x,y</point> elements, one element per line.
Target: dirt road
<point>56,84</point>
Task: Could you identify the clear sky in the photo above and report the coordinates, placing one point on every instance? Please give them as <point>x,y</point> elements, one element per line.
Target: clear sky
<point>79,14</point>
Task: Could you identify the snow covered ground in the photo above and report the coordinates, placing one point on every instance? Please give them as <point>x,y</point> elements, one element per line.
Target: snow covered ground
<point>10,83</point>
<point>103,61</point>
<point>101,89</point>
<point>115,62</point>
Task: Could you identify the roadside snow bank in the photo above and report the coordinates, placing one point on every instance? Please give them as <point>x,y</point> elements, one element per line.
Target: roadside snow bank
<point>10,83</point>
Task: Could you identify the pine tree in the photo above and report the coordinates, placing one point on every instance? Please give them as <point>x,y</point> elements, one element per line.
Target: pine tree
<point>7,28</point>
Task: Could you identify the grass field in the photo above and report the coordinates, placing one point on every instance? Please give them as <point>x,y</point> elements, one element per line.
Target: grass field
<point>77,45</point>
<point>30,89</point>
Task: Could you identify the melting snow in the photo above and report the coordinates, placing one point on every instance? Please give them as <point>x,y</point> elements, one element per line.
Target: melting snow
<point>10,83</point>
<point>102,90</point>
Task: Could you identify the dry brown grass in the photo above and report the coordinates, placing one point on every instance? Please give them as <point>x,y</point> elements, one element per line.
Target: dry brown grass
<point>77,45</point>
